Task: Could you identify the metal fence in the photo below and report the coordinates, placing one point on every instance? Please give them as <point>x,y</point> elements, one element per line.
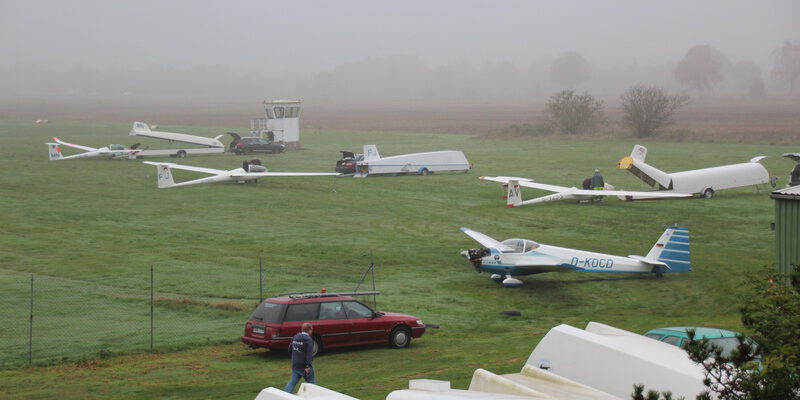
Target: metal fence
<point>47,319</point>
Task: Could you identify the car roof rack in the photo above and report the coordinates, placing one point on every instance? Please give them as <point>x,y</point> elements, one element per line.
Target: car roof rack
<point>326,294</point>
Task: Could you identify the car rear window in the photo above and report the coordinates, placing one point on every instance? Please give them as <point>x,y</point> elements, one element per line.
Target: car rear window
<point>671,340</point>
<point>302,312</point>
<point>268,312</point>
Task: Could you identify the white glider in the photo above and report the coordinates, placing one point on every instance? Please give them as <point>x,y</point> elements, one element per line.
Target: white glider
<point>111,151</point>
<point>514,197</point>
<point>251,171</point>
<point>516,257</point>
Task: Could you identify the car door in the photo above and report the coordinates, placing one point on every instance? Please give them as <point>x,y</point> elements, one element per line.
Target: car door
<point>367,328</point>
<point>296,315</point>
<point>261,145</point>
<point>332,324</point>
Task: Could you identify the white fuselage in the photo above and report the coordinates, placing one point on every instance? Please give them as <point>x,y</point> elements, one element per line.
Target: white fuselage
<point>548,258</point>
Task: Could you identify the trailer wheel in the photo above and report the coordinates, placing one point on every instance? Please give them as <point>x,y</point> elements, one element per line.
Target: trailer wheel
<point>708,193</point>
<point>181,154</point>
<point>424,172</point>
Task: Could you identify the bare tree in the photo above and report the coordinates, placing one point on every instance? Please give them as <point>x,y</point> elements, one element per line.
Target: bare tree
<point>647,108</point>
<point>569,70</point>
<point>748,77</point>
<point>700,68</point>
<point>574,113</point>
<point>787,64</point>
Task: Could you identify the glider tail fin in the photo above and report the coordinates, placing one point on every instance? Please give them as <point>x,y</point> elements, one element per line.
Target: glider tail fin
<point>514,194</point>
<point>140,127</point>
<point>55,151</point>
<point>672,248</point>
<point>163,175</point>
<point>646,172</point>
<point>371,152</point>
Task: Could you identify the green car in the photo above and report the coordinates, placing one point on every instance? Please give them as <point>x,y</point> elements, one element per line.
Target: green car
<point>677,336</point>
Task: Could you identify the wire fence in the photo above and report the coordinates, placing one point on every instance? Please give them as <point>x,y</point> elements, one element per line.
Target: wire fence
<point>47,319</point>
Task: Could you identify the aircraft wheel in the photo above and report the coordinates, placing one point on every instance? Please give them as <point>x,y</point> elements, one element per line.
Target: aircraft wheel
<point>424,172</point>
<point>181,154</point>
<point>400,337</point>
<point>708,193</point>
<point>659,275</point>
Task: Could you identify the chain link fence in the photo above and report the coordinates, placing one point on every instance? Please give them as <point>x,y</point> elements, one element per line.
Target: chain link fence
<point>46,319</point>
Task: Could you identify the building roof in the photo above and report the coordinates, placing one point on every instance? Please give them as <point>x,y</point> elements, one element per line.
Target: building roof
<point>791,193</point>
<point>282,101</point>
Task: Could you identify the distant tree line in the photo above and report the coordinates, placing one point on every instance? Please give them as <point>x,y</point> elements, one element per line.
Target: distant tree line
<point>701,71</point>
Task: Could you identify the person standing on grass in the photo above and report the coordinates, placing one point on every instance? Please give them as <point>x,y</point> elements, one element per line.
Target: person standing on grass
<point>302,349</point>
<point>597,182</point>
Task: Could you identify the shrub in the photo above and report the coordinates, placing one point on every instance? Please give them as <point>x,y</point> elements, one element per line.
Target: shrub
<point>647,108</point>
<point>573,113</point>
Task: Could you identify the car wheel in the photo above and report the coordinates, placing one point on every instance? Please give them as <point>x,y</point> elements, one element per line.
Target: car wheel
<point>400,337</point>
<point>317,346</point>
<point>708,193</point>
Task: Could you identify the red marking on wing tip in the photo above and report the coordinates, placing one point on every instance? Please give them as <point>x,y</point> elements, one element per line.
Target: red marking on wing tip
<point>510,205</point>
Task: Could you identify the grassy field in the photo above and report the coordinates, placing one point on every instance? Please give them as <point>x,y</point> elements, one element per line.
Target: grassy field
<point>90,229</point>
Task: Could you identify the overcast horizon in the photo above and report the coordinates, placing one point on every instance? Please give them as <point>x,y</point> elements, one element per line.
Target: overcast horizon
<point>296,46</point>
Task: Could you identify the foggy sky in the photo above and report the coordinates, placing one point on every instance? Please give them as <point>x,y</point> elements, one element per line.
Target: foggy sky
<point>305,38</point>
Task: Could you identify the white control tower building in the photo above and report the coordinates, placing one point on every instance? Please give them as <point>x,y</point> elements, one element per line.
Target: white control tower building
<point>282,123</point>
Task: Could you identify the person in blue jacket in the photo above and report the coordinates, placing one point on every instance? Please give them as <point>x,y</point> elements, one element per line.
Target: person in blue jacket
<point>302,349</point>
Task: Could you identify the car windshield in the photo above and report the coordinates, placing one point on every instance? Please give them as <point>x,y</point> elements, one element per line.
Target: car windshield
<point>268,312</point>
<point>726,344</point>
<point>520,245</point>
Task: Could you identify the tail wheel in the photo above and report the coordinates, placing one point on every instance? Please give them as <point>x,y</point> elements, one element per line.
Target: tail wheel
<point>400,337</point>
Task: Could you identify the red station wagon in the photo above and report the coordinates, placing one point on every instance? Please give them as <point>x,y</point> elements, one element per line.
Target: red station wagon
<point>338,320</point>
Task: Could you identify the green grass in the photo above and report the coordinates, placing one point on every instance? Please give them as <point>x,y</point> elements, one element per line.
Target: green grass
<point>88,230</point>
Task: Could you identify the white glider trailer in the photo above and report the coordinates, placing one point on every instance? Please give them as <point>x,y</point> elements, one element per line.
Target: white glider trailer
<point>414,163</point>
<point>704,182</point>
<point>205,145</point>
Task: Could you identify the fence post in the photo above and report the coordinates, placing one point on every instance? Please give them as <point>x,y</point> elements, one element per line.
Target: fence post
<point>151,306</point>
<point>30,327</point>
<point>372,269</point>
<point>260,284</point>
